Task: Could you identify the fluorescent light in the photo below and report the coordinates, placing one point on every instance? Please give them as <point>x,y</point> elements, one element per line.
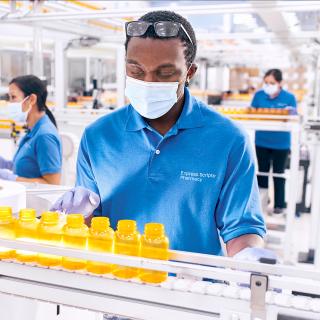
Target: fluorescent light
<point>173,5</point>
<point>260,30</point>
<point>246,19</point>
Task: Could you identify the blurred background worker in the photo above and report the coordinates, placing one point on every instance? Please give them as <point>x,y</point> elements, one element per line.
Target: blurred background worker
<point>273,148</point>
<point>39,155</point>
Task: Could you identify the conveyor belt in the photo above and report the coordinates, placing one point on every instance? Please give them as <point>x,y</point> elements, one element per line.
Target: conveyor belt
<point>183,297</point>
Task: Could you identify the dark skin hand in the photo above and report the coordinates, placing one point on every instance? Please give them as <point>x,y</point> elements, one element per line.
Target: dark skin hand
<point>163,60</point>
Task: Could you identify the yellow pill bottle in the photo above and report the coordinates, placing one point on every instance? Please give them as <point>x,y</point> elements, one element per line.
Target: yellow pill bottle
<point>26,230</point>
<point>74,235</point>
<point>7,231</point>
<point>126,242</point>
<point>154,245</point>
<point>49,232</point>
<point>100,239</point>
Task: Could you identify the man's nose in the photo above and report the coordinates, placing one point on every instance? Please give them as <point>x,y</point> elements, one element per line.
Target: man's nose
<point>150,77</point>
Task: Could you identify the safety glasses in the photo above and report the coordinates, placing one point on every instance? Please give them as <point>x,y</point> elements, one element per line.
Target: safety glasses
<point>163,29</point>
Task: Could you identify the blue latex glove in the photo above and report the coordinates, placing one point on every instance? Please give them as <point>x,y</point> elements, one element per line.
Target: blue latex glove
<point>7,175</point>
<point>5,164</point>
<point>77,200</point>
<point>255,254</point>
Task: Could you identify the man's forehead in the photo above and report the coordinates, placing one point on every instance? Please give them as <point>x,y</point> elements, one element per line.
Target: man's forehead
<point>164,51</point>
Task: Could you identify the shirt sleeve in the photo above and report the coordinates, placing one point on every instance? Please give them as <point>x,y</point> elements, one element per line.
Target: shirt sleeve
<point>255,102</point>
<point>85,174</point>
<point>293,102</point>
<point>48,154</point>
<point>238,211</point>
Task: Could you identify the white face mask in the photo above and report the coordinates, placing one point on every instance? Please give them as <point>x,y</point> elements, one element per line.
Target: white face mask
<point>151,99</point>
<point>270,89</point>
<point>13,111</point>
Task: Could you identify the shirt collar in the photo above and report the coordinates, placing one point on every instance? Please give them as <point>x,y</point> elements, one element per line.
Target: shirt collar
<point>191,116</point>
<point>134,121</point>
<point>36,127</point>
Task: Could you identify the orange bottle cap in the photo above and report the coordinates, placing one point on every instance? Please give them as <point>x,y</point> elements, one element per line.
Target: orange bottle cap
<point>27,214</point>
<point>50,217</point>
<point>154,229</point>
<point>100,223</point>
<point>75,219</point>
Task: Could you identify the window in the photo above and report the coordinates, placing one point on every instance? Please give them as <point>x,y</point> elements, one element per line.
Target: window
<point>77,75</point>
<point>12,64</point>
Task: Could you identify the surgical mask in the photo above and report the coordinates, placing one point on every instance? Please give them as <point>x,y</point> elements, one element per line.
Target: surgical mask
<point>270,89</point>
<point>151,99</point>
<point>13,111</point>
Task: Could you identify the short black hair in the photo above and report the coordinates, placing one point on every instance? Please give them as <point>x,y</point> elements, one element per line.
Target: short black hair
<point>155,16</point>
<point>276,73</point>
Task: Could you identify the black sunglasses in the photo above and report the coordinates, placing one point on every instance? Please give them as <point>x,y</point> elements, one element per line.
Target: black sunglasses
<point>163,29</point>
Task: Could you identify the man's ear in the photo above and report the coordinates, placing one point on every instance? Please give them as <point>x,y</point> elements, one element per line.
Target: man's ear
<point>192,70</point>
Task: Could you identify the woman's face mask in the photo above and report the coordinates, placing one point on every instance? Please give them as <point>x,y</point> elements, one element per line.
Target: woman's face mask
<point>270,89</point>
<point>271,86</point>
<point>13,111</point>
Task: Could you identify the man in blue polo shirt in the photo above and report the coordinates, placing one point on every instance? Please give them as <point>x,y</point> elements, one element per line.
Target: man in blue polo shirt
<point>167,157</point>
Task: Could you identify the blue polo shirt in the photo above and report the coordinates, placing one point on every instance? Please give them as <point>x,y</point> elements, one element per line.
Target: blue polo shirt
<point>198,179</point>
<point>39,152</point>
<point>271,139</point>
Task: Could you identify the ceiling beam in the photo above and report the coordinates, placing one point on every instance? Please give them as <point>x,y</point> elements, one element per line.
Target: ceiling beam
<point>276,23</point>
<point>184,10</point>
<point>67,27</point>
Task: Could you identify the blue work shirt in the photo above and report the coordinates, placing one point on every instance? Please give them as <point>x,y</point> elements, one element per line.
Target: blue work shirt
<point>271,139</point>
<point>39,152</point>
<point>198,179</point>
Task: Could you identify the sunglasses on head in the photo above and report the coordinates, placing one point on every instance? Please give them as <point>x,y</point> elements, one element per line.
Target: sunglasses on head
<point>163,29</point>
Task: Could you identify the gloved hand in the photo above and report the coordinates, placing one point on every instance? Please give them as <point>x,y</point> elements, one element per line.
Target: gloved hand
<point>292,111</point>
<point>256,254</point>
<point>77,200</point>
<point>7,175</point>
<point>5,164</point>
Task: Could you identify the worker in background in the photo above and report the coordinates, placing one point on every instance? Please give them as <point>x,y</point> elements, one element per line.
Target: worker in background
<point>273,148</point>
<point>167,157</point>
<point>39,155</point>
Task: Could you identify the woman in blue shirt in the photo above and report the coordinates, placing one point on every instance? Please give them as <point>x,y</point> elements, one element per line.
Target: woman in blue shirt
<point>273,147</point>
<point>39,155</point>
